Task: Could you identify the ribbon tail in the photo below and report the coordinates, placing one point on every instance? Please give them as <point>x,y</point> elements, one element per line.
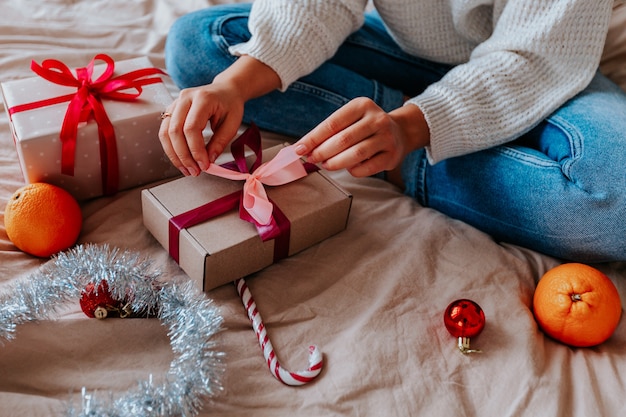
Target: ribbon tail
<point>108,148</point>
<point>278,228</point>
<point>281,232</point>
<point>69,131</point>
<point>256,202</point>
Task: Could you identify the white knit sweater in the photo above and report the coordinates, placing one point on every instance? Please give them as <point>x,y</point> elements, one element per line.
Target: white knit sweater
<point>518,60</point>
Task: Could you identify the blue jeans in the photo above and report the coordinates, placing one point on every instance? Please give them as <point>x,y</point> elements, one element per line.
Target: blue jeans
<point>559,189</point>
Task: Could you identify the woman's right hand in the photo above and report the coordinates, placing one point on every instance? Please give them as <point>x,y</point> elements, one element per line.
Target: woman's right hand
<point>219,104</point>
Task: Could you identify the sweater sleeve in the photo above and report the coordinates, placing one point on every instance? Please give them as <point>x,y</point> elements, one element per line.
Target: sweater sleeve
<point>540,54</point>
<point>294,37</point>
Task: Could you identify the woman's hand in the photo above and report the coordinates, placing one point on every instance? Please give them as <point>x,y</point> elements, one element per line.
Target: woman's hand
<point>181,133</point>
<point>364,139</point>
<point>219,104</point>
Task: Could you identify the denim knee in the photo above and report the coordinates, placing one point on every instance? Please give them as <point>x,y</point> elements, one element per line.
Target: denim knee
<point>196,48</point>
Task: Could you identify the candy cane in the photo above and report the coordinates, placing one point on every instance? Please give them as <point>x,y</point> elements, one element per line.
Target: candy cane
<point>284,376</point>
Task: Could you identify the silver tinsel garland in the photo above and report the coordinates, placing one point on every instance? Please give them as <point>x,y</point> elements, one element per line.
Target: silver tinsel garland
<point>192,319</point>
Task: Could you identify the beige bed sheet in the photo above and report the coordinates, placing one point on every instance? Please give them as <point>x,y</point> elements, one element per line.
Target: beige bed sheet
<point>371,297</point>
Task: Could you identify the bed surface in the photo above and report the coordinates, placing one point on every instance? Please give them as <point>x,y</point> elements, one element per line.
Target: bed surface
<point>372,297</point>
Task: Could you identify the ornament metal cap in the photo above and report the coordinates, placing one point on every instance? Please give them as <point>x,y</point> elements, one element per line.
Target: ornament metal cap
<point>464,346</point>
<point>100,313</point>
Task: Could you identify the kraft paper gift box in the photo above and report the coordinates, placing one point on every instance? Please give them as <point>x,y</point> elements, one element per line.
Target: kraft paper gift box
<point>225,248</point>
<point>37,128</point>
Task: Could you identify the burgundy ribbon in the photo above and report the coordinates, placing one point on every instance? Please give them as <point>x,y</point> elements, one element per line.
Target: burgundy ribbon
<point>85,103</point>
<point>279,227</point>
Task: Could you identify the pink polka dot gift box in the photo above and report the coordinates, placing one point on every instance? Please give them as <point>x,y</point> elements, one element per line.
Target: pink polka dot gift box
<point>92,131</point>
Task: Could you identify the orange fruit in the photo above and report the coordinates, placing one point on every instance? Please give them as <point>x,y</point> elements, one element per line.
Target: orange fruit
<point>42,219</point>
<point>577,304</point>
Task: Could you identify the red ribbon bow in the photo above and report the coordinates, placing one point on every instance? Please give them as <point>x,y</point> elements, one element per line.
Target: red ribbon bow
<point>87,102</point>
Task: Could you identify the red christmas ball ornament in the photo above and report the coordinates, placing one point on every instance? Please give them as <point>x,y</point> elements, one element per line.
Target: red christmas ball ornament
<point>464,319</point>
<point>98,303</point>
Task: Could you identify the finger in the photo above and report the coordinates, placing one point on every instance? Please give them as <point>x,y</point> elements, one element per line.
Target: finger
<point>347,148</point>
<point>336,131</point>
<point>375,154</point>
<point>166,142</point>
<point>336,157</point>
<point>195,123</point>
<point>368,167</point>
<point>333,124</point>
<point>224,130</point>
<point>180,136</point>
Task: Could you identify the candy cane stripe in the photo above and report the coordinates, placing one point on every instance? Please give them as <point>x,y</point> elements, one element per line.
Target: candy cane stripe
<point>284,376</point>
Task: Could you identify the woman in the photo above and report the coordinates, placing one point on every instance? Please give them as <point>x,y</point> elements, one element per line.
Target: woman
<point>490,111</point>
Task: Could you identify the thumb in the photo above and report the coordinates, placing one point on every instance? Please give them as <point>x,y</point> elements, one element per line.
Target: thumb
<point>223,133</point>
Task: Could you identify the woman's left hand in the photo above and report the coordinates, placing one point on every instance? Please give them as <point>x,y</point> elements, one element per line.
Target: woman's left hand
<point>364,139</point>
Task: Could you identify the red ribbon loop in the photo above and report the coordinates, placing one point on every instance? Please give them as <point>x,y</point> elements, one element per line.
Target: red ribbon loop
<point>86,102</point>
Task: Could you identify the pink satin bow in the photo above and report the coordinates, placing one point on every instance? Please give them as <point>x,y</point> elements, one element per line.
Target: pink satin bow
<point>285,167</point>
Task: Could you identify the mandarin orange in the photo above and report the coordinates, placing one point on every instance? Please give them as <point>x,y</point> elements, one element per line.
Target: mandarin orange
<point>42,219</point>
<point>577,304</point>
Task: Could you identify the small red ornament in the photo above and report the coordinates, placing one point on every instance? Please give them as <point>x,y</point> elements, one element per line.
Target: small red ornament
<point>464,319</point>
<point>99,303</point>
